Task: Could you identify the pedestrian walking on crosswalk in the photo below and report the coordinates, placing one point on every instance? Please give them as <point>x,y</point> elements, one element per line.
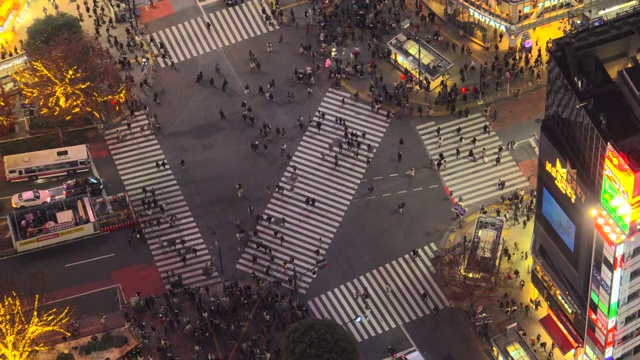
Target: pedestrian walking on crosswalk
<point>157,199</point>
<point>470,178</point>
<point>309,174</point>
<point>391,296</point>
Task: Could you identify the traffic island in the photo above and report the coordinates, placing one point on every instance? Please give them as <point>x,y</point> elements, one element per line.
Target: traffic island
<point>114,344</point>
<point>505,310</point>
<point>482,262</point>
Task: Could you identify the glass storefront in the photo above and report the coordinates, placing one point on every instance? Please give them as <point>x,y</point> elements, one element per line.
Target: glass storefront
<point>488,22</point>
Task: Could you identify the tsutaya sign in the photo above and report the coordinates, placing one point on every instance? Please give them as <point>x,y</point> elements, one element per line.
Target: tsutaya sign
<point>566,180</point>
<point>487,20</point>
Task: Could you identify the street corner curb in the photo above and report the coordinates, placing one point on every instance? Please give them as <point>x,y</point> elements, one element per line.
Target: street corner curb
<point>475,104</point>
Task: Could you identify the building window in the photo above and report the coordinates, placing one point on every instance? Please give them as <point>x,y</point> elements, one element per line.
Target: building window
<point>631,317</point>
<point>634,274</point>
<point>635,252</point>
<point>607,263</point>
<point>634,295</point>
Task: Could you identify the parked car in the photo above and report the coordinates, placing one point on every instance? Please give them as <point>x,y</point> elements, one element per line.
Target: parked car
<point>88,185</point>
<point>231,2</point>
<point>30,198</point>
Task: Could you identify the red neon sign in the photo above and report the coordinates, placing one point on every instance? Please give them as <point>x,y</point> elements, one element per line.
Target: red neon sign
<point>618,171</point>
<point>617,263</point>
<point>599,225</point>
<point>610,338</point>
<point>595,320</point>
<point>595,339</point>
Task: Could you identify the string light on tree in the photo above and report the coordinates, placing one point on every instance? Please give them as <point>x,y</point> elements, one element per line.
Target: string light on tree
<point>6,107</point>
<point>22,327</point>
<point>63,92</point>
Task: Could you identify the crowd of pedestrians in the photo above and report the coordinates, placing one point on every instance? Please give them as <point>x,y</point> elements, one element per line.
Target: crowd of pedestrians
<point>243,321</point>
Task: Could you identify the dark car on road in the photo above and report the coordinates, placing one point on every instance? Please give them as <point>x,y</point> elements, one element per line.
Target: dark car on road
<point>88,185</point>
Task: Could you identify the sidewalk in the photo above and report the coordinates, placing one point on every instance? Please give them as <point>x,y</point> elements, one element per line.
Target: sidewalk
<point>511,287</point>
<point>36,10</point>
<point>479,54</point>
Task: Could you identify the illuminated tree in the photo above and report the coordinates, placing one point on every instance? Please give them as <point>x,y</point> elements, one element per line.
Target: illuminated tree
<point>22,327</point>
<point>464,288</point>
<point>6,107</point>
<point>72,77</point>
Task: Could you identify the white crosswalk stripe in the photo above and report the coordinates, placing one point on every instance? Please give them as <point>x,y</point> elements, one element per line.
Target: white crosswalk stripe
<point>310,228</point>
<point>395,296</point>
<point>135,154</point>
<point>229,26</point>
<point>474,182</point>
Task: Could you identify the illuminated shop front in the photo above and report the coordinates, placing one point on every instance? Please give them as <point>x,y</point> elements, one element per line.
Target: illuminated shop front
<point>10,12</point>
<point>485,20</point>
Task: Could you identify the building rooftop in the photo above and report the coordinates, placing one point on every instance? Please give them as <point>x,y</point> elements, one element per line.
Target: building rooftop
<point>512,344</point>
<point>601,66</point>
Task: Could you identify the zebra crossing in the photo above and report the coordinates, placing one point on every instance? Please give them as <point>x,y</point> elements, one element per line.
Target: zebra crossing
<point>135,151</point>
<point>395,296</point>
<point>311,173</point>
<point>474,182</point>
<point>229,26</point>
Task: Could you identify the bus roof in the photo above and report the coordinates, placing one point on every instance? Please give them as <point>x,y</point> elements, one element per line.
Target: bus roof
<point>49,156</point>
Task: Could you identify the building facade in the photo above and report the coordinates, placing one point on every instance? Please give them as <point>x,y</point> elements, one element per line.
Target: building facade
<point>485,20</point>
<point>585,260</point>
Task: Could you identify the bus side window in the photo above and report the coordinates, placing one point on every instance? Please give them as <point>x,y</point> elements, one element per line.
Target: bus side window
<point>84,162</point>
<point>12,172</point>
<point>20,172</point>
<point>30,171</point>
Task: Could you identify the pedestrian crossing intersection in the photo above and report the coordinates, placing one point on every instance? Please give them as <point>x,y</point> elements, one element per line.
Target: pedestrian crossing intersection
<point>474,182</point>
<point>309,229</point>
<point>135,151</point>
<point>229,26</point>
<point>395,296</point>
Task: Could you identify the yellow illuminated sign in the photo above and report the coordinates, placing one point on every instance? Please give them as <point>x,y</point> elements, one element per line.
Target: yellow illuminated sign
<point>565,180</point>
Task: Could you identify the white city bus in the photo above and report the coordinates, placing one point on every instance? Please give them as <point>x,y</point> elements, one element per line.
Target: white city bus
<point>47,163</point>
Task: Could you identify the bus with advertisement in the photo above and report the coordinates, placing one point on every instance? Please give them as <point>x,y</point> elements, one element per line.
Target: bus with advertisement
<point>47,163</point>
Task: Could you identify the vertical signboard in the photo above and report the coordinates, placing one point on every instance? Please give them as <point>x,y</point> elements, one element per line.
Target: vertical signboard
<point>620,190</point>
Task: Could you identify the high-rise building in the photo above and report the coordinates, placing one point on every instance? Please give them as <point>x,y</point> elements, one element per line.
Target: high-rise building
<point>586,238</point>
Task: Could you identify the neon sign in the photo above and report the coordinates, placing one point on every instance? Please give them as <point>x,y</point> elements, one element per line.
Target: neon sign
<point>566,180</point>
<point>621,176</point>
<point>548,3</point>
<point>619,193</point>
<point>487,20</point>
<point>615,204</point>
<point>594,318</point>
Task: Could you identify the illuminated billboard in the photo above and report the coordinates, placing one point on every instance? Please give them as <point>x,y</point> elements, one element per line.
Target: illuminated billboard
<point>620,191</point>
<point>558,219</point>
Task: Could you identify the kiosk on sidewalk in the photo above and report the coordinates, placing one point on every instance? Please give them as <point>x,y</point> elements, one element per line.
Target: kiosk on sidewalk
<point>482,253</point>
<point>410,53</point>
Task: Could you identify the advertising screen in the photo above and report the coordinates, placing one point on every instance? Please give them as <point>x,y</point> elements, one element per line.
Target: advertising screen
<point>560,222</point>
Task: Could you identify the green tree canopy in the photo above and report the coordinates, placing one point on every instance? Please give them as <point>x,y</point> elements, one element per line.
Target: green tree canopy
<point>46,29</point>
<point>318,340</point>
